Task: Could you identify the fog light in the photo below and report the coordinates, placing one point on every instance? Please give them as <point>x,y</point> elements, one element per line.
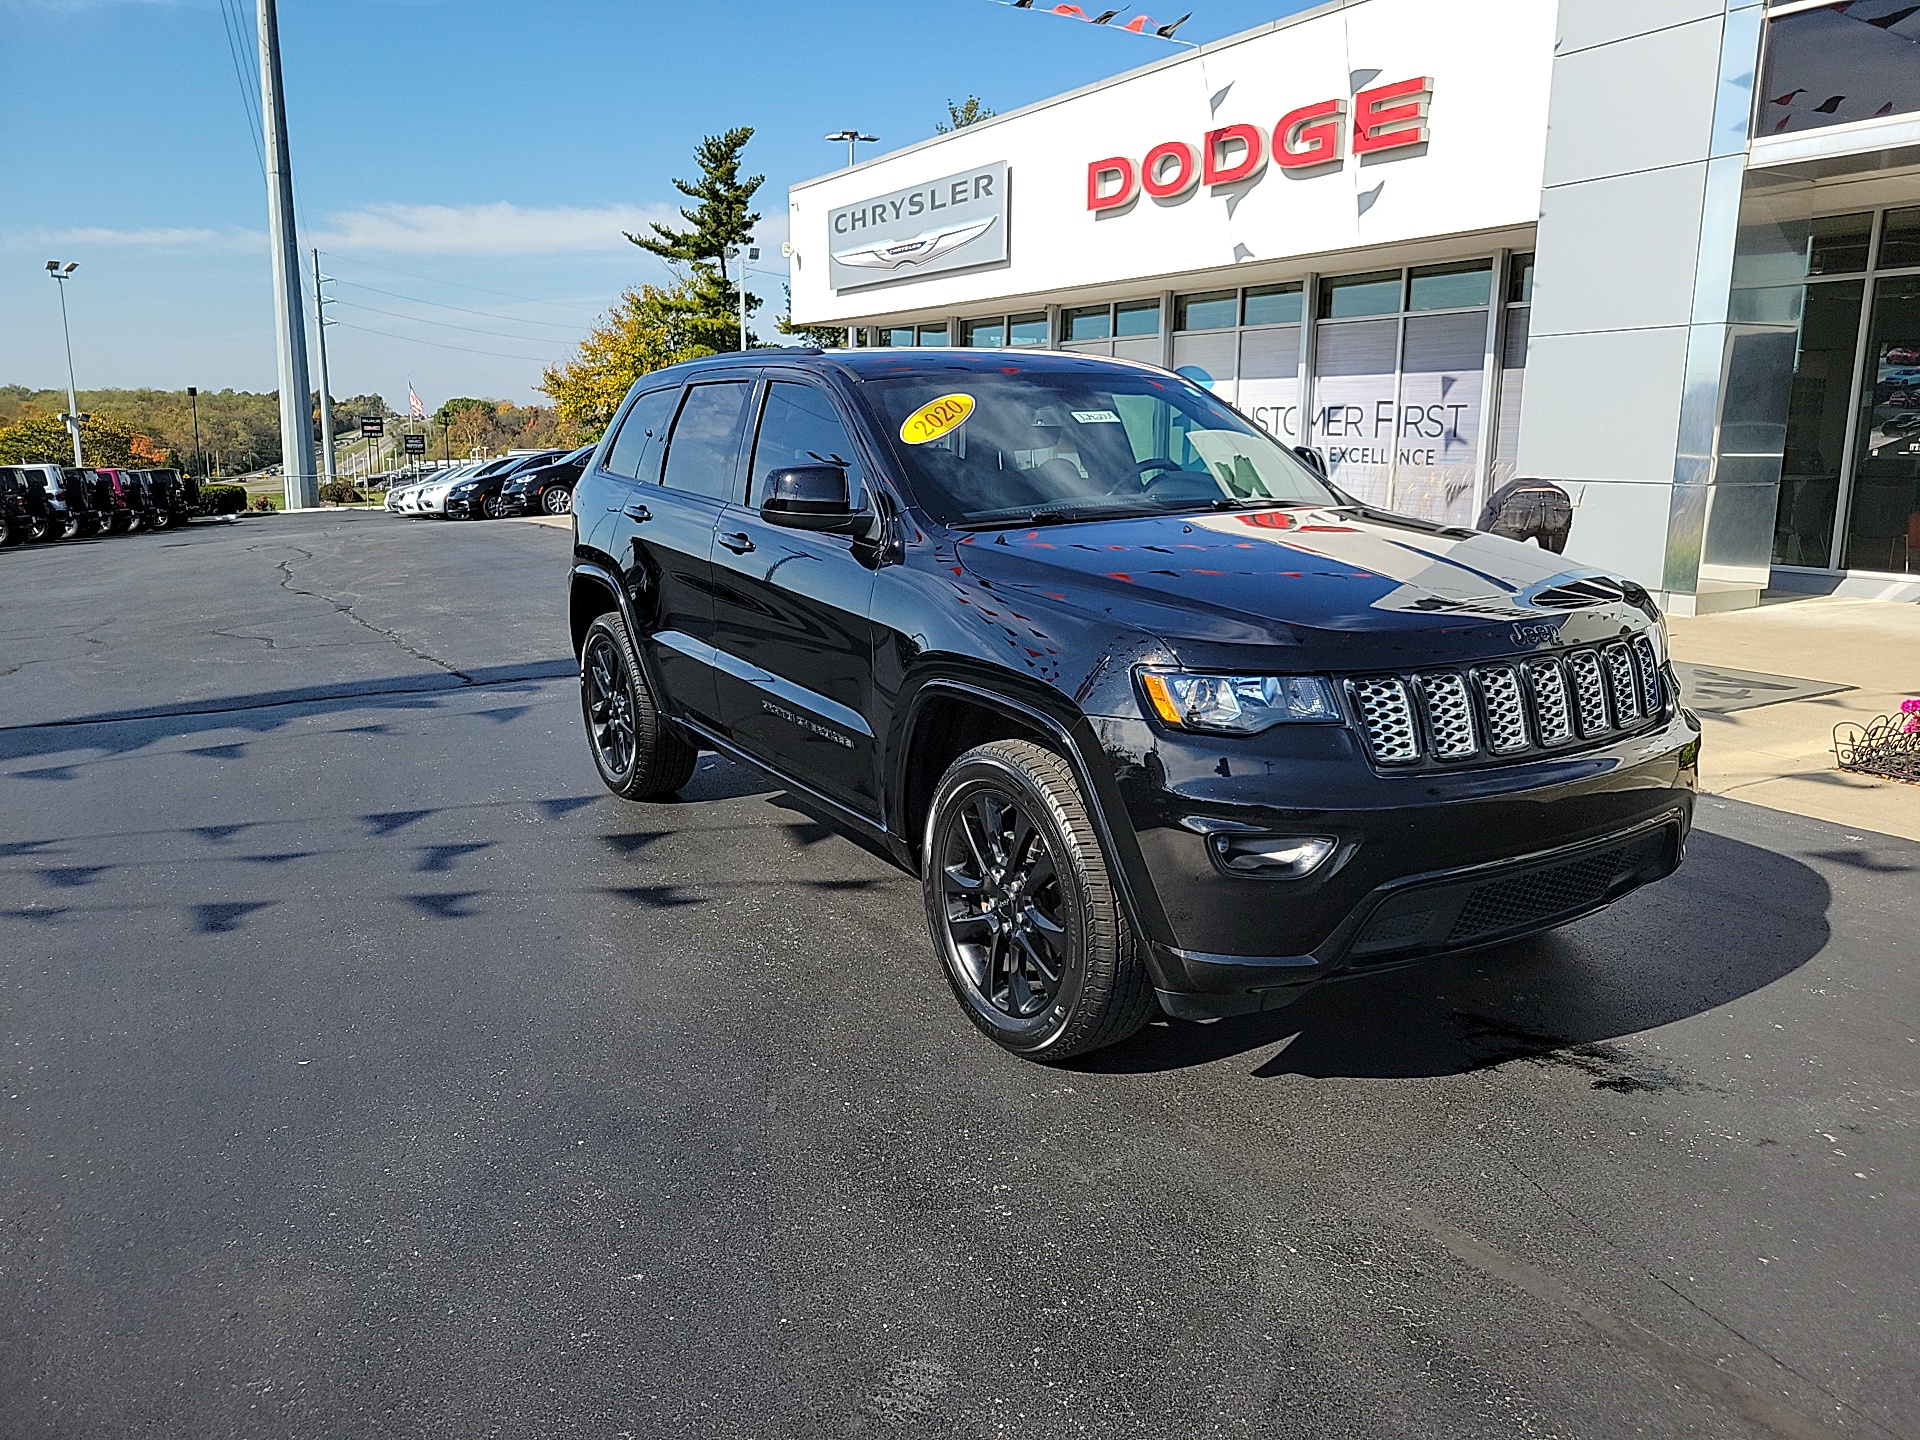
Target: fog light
<point>1281,857</point>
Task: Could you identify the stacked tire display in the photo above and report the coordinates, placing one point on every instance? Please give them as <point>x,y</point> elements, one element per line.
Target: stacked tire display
<point>43,503</point>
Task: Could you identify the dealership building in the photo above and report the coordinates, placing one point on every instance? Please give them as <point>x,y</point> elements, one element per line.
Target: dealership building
<point>1663,253</point>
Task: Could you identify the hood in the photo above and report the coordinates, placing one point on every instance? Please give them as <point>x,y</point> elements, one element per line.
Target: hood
<point>1373,585</point>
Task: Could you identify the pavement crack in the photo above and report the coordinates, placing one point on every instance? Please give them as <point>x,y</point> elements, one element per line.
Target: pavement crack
<point>341,607</point>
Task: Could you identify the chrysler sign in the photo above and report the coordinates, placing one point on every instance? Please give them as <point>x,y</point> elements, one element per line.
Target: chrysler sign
<point>952,223</point>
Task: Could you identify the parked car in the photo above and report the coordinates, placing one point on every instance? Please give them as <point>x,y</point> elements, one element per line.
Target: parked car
<point>41,496</point>
<point>177,494</point>
<point>547,488</point>
<point>402,494</point>
<point>478,496</point>
<point>1162,719</point>
<point>16,522</point>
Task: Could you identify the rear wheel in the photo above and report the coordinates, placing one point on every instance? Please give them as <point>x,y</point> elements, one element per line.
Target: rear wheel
<point>557,500</point>
<point>1024,915</point>
<point>635,749</point>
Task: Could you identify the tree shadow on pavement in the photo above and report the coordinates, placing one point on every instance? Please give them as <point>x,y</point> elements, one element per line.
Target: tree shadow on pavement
<point>1734,919</point>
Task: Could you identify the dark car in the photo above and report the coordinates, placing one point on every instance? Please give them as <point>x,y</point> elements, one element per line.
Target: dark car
<point>16,522</point>
<point>89,496</point>
<point>170,497</point>
<point>36,503</point>
<point>1161,718</point>
<point>545,489</point>
<point>478,496</point>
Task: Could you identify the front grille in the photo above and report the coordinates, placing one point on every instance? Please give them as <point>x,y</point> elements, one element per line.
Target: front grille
<point>1509,710</point>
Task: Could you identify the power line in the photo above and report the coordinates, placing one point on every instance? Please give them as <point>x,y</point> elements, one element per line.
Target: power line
<point>463,349</point>
<point>248,103</point>
<point>460,309</point>
<point>437,280</point>
<point>444,324</point>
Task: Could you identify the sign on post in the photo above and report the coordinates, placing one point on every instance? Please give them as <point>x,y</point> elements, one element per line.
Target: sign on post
<point>414,444</point>
<point>372,425</point>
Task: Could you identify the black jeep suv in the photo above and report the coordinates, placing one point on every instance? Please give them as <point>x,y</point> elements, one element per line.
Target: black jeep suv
<point>1158,715</point>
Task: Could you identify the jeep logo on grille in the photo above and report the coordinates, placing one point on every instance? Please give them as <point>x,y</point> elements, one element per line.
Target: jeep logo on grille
<point>1534,634</point>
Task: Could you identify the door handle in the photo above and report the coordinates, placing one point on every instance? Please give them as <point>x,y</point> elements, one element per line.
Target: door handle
<point>739,542</point>
<point>637,511</point>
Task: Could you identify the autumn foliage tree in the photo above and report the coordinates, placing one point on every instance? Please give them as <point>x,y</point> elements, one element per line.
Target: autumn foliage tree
<point>44,440</point>
<point>647,329</point>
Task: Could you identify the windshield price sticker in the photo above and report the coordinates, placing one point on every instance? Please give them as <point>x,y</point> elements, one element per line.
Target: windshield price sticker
<point>1096,417</point>
<point>936,418</point>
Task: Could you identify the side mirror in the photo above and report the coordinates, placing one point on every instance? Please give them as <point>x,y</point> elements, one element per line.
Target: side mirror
<point>1312,459</point>
<point>811,497</point>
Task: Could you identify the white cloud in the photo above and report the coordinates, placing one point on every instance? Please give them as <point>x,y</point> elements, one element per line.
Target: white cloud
<point>158,238</point>
<point>500,228</point>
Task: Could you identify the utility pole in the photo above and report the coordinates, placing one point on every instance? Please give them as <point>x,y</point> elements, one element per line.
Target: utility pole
<point>193,399</point>
<point>296,424</point>
<point>735,252</point>
<point>320,323</point>
<point>72,417</point>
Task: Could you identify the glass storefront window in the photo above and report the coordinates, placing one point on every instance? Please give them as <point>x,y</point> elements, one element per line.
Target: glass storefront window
<point>1442,365</point>
<point>1091,322</point>
<point>933,334</point>
<point>898,336</point>
<point>1520,278</point>
<point>1215,310</point>
<point>983,334</point>
<point>1817,424</point>
<point>1837,244</point>
<point>1449,287</point>
<point>1272,305</point>
<point>1030,329</point>
<point>1900,239</point>
<point>1883,519</point>
<point>1377,293</point>
<point>1834,64</point>
<point>1137,317</point>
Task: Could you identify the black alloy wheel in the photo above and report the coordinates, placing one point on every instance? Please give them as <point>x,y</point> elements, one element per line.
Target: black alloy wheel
<point>498,507</point>
<point>1024,915</point>
<point>557,500</point>
<point>635,749</point>
<point>42,528</point>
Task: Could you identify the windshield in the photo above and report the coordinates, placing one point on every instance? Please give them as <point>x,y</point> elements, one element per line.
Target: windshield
<point>1010,449</point>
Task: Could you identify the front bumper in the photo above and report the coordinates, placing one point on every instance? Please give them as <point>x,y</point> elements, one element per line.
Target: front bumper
<point>1424,864</point>
<point>463,508</point>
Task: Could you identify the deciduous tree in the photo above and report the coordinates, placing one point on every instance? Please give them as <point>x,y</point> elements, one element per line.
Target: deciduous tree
<point>647,328</point>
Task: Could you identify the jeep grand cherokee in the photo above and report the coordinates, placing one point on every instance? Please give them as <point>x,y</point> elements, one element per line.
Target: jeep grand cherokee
<point>1160,717</point>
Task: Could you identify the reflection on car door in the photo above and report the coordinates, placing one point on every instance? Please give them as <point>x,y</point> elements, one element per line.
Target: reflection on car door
<point>794,651</point>
<point>664,529</point>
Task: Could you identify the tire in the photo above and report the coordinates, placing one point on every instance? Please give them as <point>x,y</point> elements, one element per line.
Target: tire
<point>119,523</point>
<point>1025,918</point>
<point>42,529</point>
<point>635,749</point>
<point>159,520</point>
<point>497,508</point>
<point>557,500</point>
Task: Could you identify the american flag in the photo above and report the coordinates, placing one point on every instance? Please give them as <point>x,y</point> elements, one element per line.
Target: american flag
<point>414,404</point>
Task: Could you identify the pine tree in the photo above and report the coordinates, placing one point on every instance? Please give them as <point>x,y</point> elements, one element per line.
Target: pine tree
<point>720,219</point>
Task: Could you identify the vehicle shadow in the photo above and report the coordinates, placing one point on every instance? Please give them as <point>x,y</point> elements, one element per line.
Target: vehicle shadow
<point>1733,920</point>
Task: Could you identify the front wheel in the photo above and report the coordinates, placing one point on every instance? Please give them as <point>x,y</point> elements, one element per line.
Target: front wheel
<point>1025,917</point>
<point>498,507</point>
<point>635,749</point>
<point>557,500</point>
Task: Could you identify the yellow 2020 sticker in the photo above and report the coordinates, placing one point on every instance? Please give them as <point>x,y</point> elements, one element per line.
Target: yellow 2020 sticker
<point>936,418</point>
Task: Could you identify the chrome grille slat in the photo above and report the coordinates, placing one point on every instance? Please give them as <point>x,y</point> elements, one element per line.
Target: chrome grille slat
<point>1386,713</point>
<point>1449,714</point>
<point>1626,698</point>
<point>1589,692</point>
<point>1649,674</point>
<point>1548,683</point>
<point>1506,714</point>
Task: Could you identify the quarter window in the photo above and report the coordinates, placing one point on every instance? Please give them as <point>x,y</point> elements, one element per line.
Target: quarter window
<point>706,440</point>
<point>636,449</point>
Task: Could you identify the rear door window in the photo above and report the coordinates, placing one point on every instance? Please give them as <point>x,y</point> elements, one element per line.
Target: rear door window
<point>636,449</point>
<point>705,445</point>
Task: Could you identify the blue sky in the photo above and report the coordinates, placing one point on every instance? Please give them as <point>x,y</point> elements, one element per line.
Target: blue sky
<point>467,165</point>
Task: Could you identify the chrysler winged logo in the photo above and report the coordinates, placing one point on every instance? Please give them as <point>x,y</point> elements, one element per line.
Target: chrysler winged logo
<point>927,245</point>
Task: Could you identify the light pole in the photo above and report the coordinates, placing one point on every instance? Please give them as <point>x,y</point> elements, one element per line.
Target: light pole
<point>320,323</point>
<point>751,252</point>
<point>64,273</point>
<point>852,137</point>
<point>193,399</point>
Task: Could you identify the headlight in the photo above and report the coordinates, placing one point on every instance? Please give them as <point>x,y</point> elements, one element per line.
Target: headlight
<point>466,489</point>
<point>1237,704</point>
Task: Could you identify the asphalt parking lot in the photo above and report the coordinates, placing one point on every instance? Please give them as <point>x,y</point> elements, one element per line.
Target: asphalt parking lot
<point>366,1070</point>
